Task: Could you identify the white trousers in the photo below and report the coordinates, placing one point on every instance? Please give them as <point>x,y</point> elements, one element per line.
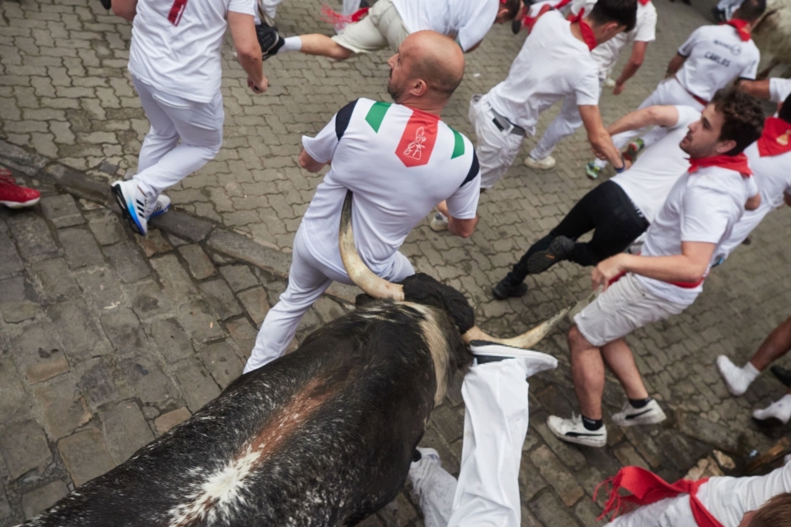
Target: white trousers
<point>496,148</point>
<point>562,126</point>
<point>308,278</point>
<point>668,92</point>
<point>495,425</point>
<point>163,160</point>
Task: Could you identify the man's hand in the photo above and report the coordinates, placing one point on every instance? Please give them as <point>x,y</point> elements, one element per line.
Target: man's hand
<point>607,269</point>
<point>618,88</point>
<point>258,88</point>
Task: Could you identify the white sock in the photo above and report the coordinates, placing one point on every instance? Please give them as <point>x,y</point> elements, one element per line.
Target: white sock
<point>780,409</point>
<point>736,379</point>
<point>291,44</point>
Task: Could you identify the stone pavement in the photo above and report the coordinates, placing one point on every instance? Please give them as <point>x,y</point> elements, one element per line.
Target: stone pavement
<point>108,339</point>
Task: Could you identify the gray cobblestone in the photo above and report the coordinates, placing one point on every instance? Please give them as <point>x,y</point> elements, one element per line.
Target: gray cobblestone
<point>24,448</point>
<point>37,500</point>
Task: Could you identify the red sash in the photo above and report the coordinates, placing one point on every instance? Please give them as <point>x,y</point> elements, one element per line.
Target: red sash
<point>646,488</point>
<point>776,137</point>
<point>587,32</point>
<point>742,28</point>
<point>737,163</point>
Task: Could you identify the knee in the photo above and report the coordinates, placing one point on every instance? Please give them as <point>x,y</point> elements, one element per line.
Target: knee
<point>577,342</point>
<point>338,52</point>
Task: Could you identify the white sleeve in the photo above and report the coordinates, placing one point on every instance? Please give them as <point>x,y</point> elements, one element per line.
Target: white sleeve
<point>474,30</point>
<point>686,48</point>
<point>646,28</point>
<point>752,186</point>
<point>705,216</point>
<point>245,7</point>
<point>587,89</point>
<point>779,89</point>
<point>322,147</point>
<point>686,115</point>
<point>463,204</point>
<point>751,70</point>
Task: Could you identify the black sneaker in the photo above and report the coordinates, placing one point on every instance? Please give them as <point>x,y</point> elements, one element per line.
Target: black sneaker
<point>783,375</point>
<point>506,288</point>
<point>559,249</point>
<point>269,39</point>
<point>106,4</point>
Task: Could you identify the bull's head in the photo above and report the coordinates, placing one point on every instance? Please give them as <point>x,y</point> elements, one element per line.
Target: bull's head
<point>438,295</point>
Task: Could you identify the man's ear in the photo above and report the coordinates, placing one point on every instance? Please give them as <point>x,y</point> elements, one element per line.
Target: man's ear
<point>725,146</point>
<point>419,88</point>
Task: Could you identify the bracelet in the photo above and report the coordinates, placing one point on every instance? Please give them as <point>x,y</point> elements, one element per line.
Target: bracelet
<point>623,166</point>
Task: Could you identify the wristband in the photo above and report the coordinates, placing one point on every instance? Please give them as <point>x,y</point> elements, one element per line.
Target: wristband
<point>623,166</point>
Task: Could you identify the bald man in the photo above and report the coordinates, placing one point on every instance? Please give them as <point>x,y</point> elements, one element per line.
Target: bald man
<point>399,160</point>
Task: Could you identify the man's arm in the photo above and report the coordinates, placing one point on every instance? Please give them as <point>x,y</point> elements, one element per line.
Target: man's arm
<point>753,202</point>
<point>463,228</point>
<point>635,61</point>
<point>665,116</point>
<point>308,163</point>
<point>758,89</point>
<point>675,65</point>
<point>248,50</point>
<point>600,140</point>
<point>126,9</point>
<point>689,266</point>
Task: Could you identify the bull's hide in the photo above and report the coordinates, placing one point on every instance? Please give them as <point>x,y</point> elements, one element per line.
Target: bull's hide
<point>322,436</point>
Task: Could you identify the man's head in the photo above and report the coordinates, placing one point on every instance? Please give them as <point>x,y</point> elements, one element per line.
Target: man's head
<point>730,123</point>
<point>426,70</point>
<point>509,10</point>
<point>750,10</point>
<point>610,17</point>
<point>774,513</point>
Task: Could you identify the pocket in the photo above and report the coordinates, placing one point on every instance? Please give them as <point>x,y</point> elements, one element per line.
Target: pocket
<point>172,101</point>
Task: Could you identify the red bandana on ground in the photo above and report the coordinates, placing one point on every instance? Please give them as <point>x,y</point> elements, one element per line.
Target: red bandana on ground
<point>646,488</point>
<point>741,28</point>
<point>417,141</point>
<point>737,163</point>
<point>587,32</point>
<point>776,137</point>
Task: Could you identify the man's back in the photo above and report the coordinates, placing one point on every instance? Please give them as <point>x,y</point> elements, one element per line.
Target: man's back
<point>399,163</point>
<point>467,21</point>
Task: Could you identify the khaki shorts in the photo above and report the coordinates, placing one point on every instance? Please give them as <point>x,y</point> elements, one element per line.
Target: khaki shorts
<point>382,27</point>
<point>622,308</point>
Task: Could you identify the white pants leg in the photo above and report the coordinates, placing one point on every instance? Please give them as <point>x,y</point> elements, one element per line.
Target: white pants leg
<point>163,162</point>
<point>496,148</point>
<point>308,278</point>
<point>565,124</point>
<point>435,488</point>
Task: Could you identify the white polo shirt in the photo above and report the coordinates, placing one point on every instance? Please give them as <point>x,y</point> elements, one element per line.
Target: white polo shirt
<point>467,21</point>
<point>779,89</point>
<point>701,207</point>
<point>400,163</point>
<point>606,54</point>
<point>716,56</point>
<point>552,65</point>
<point>176,44</point>
<point>649,180</point>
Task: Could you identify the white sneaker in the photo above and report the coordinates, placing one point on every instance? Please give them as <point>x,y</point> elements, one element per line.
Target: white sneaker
<point>736,379</point>
<point>609,83</point>
<point>161,206</point>
<point>419,469</point>
<point>438,222</point>
<point>540,164</point>
<point>650,414</point>
<point>532,361</point>
<point>133,203</point>
<point>573,431</point>
<point>779,410</point>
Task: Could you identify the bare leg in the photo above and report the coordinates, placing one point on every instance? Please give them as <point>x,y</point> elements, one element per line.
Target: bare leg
<point>587,372</point>
<point>443,208</point>
<point>620,360</point>
<point>775,346</point>
<point>317,44</point>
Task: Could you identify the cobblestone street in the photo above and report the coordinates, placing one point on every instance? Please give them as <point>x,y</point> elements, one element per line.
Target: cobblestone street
<point>109,339</point>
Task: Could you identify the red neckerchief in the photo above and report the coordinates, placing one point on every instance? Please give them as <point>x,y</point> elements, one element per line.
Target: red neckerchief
<point>644,2</point>
<point>333,17</point>
<point>737,163</point>
<point>741,28</point>
<point>646,488</point>
<point>775,137</point>
<point>587,32</point>
<point>529,21</point>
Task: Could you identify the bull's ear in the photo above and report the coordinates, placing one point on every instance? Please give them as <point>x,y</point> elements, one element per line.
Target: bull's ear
<point>362,300</point>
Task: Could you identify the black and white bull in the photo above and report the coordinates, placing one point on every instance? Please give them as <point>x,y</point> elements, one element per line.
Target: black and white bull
<point>322,436</point>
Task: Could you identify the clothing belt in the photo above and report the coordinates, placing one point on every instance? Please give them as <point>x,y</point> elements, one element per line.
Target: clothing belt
<point>502,123</point>
<point>701,100</point>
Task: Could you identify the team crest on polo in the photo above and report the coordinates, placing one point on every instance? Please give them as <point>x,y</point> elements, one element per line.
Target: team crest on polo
<point>417,141</point>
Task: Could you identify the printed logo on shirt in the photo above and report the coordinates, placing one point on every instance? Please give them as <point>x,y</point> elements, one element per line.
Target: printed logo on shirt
<point>415,148</point>
<point>722,61</point>
<point>783,139</point>
<point>736,49</point>
<point>417,141</point>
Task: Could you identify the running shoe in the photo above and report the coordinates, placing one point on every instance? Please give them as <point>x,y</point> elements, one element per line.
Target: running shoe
<point>649,414</point>
<point>559,249</point>
<point>438,222</point>
<point>573,431</point>
<point>633,149</point>
<point>609,83</point>
<point>161,206</point>
<point>782,374</point>
<point>15,196</point>
<point>540,164</point>
<point>133,204</point>
<point>592,170</point>
<point>269,39</point>
<point>505,288</point>
<point>779,412</point>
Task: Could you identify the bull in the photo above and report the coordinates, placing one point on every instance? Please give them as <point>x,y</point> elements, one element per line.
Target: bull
<point>323,436</point>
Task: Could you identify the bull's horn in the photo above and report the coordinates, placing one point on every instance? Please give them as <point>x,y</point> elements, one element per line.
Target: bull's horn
<point>362,277</point>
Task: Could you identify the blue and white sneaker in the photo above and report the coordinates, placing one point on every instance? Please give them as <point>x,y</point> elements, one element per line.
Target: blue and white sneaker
<point>133,204</point>
<point>161,206</point>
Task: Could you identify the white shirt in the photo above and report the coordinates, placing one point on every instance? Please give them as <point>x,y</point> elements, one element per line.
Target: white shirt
<point>371,145</point>
<point>715,56</point>
<point>179,52</point>
<point>467,21</point>
<point>606,54</point>
<point>649,180</point>
<point>552,65</point>
<point>779,89</point>
<point>701,207</point>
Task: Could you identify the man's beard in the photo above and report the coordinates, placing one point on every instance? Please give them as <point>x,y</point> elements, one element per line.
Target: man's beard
<point>394,91</point>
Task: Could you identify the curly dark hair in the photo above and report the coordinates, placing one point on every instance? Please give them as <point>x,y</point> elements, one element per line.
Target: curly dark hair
<point>624,12</point>
<point>744,118</point>
<point>750,10</point>
<point>774,513</point>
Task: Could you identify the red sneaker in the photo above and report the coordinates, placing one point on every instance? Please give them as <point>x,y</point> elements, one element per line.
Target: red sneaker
<point>14,196</point>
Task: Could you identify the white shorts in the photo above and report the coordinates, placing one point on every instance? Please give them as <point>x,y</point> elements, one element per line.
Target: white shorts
<point>622,308</point>
<point>496,148</point>
<point>381,27</point>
